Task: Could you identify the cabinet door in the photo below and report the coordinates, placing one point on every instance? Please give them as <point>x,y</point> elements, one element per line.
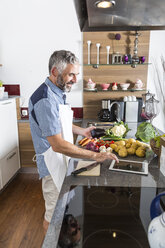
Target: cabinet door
<point>8,127</point>
<point>26,145</point>
<point>9,165</point>
<point>0,177</point>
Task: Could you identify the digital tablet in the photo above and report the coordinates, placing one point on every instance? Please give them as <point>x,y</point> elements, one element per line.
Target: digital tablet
<point>130,166</point>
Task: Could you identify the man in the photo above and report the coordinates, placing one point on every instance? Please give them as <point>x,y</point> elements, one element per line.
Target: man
<point>52,128</point>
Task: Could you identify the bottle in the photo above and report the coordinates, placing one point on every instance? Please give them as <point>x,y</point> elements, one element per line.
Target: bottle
<point>114,86</point>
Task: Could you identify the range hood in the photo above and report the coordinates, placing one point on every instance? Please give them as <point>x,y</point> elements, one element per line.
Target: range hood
<point>123,15</point>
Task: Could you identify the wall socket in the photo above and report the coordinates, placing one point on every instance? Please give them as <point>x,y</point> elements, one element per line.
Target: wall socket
<point>24,112</point>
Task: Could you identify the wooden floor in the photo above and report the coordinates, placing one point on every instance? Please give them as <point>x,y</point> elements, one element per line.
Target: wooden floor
<point>21,213</point>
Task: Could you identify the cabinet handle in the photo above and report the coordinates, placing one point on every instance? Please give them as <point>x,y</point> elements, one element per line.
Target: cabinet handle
<point>6,103</point>
<point>12,155</point>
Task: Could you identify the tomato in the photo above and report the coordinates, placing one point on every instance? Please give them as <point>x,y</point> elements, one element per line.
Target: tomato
<point>112,142</point>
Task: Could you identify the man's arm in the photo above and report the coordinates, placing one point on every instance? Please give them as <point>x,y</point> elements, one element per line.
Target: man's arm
<point>82,131</point>
<point>62,146</point>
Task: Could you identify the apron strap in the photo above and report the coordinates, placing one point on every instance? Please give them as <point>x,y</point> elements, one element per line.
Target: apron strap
<point>34,159</point>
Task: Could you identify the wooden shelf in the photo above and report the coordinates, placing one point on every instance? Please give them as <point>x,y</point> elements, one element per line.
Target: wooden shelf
<point>96,66</point>
<point>113,91</point>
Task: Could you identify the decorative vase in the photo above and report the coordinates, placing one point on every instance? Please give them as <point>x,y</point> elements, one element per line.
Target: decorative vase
<point>156,229</point>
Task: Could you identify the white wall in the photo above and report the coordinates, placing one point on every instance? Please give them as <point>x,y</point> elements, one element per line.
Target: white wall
<point>156,74</point>
<point>30,31</point>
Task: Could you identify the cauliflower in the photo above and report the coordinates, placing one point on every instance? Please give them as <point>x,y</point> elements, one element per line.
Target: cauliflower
<point>118,130</point>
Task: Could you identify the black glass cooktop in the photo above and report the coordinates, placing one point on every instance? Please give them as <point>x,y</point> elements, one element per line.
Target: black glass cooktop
<point>107,217</point>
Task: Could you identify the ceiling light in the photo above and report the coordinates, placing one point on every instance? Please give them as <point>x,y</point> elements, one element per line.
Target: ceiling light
<point>105,4</point>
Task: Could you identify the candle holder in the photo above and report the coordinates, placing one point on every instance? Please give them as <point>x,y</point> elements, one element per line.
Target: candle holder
<point>89,44</point>
<point>108,50</point>
<point>98,47</point>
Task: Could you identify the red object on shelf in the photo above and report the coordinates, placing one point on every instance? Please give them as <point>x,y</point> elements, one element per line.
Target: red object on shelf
<point>12,89</point>
<point>77,112</point>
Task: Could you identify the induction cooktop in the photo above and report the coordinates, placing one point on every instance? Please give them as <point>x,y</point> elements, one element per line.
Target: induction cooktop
<point>107,217</point>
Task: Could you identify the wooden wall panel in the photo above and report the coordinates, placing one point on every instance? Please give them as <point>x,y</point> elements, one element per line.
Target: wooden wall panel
<point>112,73</point>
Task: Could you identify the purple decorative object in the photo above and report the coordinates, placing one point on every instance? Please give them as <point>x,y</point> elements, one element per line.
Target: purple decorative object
<point>142,59</point>
<point>117,37</point>
<point>125,59</point>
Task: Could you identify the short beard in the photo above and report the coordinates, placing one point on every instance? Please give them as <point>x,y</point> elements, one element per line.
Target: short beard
<point>62,85</point>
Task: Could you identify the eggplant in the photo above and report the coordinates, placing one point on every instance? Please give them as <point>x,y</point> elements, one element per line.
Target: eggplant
<point>97,133</point>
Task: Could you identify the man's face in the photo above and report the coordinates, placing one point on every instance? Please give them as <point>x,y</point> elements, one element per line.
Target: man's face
<point>68,77</point>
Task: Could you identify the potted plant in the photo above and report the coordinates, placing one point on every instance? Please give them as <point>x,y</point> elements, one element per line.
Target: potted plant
<point>2,89</point>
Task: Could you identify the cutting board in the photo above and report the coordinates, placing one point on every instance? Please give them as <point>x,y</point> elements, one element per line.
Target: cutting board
<point>93,172</point>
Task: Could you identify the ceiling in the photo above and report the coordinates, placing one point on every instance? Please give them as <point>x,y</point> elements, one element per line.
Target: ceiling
<point>124,15</point>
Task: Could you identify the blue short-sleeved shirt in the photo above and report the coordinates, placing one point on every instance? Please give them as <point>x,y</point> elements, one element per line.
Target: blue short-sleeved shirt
<point>44,119</point>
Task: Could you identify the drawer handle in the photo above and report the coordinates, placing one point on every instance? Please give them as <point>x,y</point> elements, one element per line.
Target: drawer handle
<point>12,155</point>
<point>6,103</point>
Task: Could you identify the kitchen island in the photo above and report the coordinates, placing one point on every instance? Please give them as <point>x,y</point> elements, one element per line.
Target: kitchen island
<point>107,178</point>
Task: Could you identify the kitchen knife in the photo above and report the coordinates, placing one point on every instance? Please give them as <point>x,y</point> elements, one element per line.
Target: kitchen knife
<point>86,168</point>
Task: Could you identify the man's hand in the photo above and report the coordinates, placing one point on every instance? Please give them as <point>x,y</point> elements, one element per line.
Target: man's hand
<point>83,131</point>
<point>87,132</point>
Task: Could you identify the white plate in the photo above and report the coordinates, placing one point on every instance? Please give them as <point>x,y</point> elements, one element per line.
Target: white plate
<point>95,89</point>
<point>137,89</point>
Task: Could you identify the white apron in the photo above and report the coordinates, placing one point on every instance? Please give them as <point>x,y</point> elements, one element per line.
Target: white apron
<point>57,163</point>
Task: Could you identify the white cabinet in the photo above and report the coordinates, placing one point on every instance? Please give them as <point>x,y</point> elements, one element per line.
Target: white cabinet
<point>9,151</point>
<point>9,166</point>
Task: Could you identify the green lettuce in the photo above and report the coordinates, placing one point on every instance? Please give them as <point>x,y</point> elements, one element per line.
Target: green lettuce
<point>145,132</point>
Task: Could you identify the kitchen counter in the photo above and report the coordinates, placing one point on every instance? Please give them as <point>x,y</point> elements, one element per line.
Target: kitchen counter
<point>75,120</point>
<point>106,178</point>
<point>9,97</point>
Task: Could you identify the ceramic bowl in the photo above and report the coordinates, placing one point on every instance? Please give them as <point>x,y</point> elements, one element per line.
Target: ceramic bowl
<point>138,84</point>
<point>124,86</point>
<point>104,86</point>
<point>91,86</point>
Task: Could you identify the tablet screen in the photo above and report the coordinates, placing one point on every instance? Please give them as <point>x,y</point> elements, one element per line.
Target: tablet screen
<point>130,166</point>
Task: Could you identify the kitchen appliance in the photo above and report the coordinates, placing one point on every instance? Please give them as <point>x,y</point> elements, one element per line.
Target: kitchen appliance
<point>104,114</point>
<point>123,15</point>
<point>108,216</point>
<point>112,110</point>
<point>131,111</point>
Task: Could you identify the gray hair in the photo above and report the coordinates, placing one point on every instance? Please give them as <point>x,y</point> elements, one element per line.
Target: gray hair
<point>60,59</point>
